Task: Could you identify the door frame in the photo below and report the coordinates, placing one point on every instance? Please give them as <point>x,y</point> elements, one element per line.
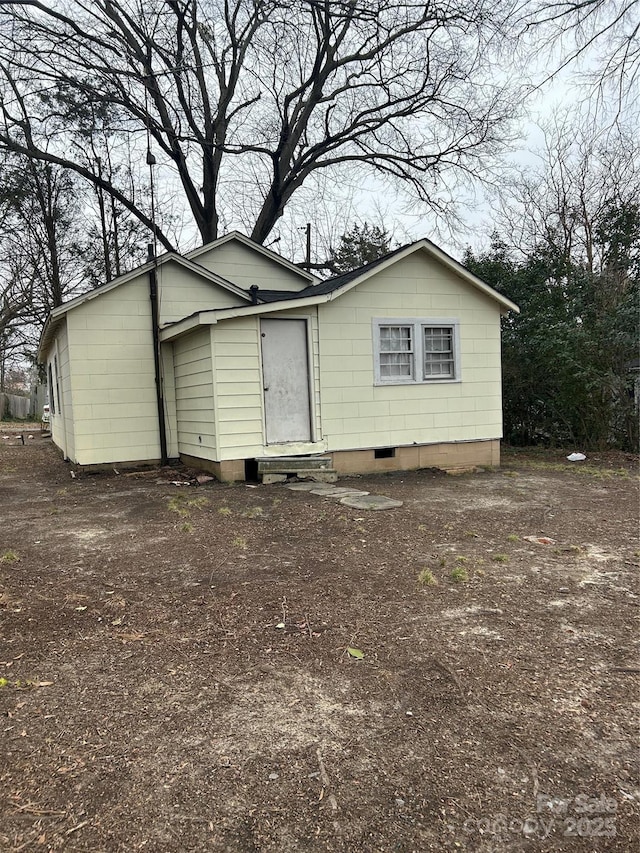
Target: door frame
<point>311,378</point>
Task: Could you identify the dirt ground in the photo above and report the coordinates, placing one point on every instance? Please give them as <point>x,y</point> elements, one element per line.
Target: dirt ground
<point>175,673</point>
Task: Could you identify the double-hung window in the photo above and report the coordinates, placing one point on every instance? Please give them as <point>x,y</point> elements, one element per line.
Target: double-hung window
<point>416,351</point>
<point>439,355</point>
<point>397,357</point>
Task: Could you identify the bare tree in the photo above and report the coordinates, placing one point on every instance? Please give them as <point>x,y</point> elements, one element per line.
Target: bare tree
<point>115,238</point>
<point>246,100</point>
<point>583,174</point>
<point>40,245</point>
<point>604,32</point>
<point>16,292</point>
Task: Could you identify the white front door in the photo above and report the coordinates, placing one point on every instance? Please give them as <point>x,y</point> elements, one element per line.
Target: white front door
<point>285,373</point>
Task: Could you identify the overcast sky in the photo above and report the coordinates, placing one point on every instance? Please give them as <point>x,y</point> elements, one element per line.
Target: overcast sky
<point>565,94</point>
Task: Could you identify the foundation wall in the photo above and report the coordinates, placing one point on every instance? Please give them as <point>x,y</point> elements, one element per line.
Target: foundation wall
<point>229,471</point>
<point>447,456</point>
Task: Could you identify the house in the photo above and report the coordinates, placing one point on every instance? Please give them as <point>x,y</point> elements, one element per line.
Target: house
<point>231,353</point>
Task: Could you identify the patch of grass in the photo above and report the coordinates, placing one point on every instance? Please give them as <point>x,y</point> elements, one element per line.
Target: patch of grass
<point>198,503</point>
<point>176,506</point>
<point>461,559</point>
<point>240,542</point>
<point>570,549</point>
<point>181,504</point>
<point>472,534</point>
<point>422,528</point>
<point>17,684</point>
<point>500,558</point>
<point>459,574</point>
<point>427,578</point>
<point>513,537</point>
<point>442,561</point>
<point>224,510</point>
<point>187,527</point>
<point>254,512</point>
<point>589,470</point>
<point>10,557</point>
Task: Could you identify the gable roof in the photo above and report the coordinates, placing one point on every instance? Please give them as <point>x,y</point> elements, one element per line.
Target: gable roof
<point>55,317</point>
<point>332,288</point>
<point>262,250</point>
<point>346,281</point>
<point>337,281</point>
<point>268,300</point>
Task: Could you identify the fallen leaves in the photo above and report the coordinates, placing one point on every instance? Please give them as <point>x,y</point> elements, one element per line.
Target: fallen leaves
<point>27,684</point>
<point>358,654</point>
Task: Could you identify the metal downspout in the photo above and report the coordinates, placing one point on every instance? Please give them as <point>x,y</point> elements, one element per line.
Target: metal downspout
<point>155,324</point>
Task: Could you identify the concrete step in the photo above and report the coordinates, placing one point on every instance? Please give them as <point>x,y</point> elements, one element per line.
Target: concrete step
<point>318,475</point>
<point>293,464</point>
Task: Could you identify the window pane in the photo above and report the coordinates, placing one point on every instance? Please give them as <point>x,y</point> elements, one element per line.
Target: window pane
<point>438,340</point>
<point>396,352</point>
<point>395,339</point>
<point>396,364</point>
<point>438,353</point>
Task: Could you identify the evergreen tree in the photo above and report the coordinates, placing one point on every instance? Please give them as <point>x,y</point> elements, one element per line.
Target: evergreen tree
<point>360,246</point>
<point>566,357</point>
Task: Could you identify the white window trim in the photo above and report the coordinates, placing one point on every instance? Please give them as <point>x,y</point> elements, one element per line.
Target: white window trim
<point>417,324</point>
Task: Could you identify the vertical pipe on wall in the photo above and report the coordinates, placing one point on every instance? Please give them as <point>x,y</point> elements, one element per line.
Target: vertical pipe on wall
<point>155,325</point>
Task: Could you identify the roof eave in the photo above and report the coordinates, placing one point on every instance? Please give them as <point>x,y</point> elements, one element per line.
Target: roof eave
<point>209,318</point>
<point>51,326</point>
<point>441,256</point>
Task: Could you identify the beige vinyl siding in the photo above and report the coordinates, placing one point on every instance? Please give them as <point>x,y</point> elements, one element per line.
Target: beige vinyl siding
<point>236,348</point>
<point>245,266</point>
<point>169,399</point>
<point>192,367</point>
<point>62,427</point>
<point>356,414</point>
<point>113,378</point>
<point>239,394</point>
<point>182,293</point>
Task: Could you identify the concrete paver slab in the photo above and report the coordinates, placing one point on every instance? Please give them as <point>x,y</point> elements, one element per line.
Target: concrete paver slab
<point>371,502</point>
<point>339,493</point>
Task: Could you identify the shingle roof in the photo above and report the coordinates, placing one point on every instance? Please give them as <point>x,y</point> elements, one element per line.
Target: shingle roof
<point>278,295</point>
<point>331,284</point>
<point>326,286</point>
